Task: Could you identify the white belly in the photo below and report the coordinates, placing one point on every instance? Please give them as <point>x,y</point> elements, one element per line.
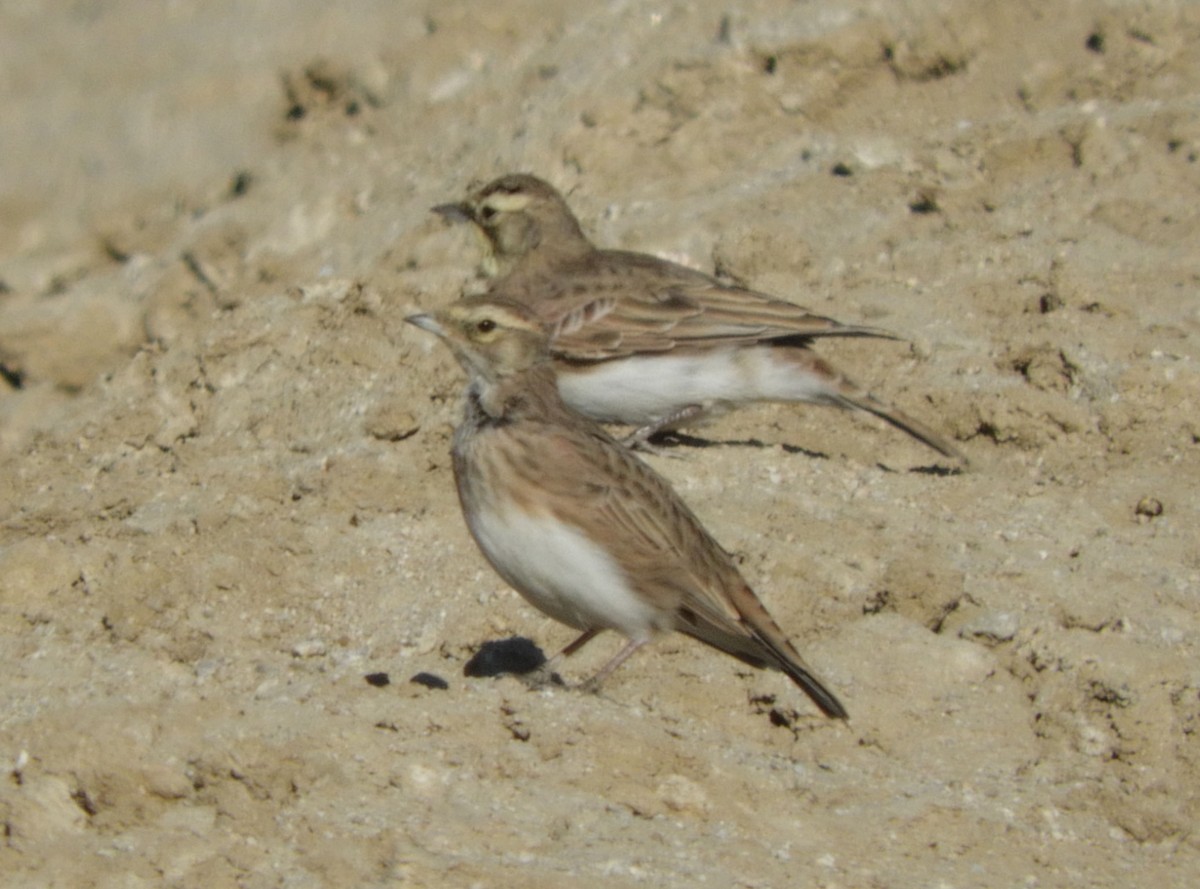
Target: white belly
<point>562,573</point>
<point>642,389</point>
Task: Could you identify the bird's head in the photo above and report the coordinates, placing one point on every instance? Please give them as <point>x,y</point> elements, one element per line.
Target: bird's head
<point>519,214</point>
<point>492,338</point>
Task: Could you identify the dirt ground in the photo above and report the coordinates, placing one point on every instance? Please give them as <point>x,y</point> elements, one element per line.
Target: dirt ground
<point>226,498</point>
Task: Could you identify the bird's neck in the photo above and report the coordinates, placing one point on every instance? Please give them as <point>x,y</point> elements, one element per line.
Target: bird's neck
<point>529,394</point>
<point>543,247</point>
<point>566,241</point>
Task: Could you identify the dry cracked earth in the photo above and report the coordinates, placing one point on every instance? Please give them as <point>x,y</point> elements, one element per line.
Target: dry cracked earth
<point>228,533</point>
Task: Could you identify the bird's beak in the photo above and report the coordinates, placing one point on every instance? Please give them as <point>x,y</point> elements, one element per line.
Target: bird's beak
<point>427,322</point>
<point>455,212</point>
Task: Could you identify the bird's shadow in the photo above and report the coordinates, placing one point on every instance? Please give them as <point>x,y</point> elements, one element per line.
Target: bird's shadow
<point>669,440</point>
<point>938,470</point>
<point>516,655</point>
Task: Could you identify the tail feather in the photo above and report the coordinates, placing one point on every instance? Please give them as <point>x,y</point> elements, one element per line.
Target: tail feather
<point>819,382</point>
<point>750,641</point>
<point>845,331</point>
<point>788,661</point>
<point>903,422</point>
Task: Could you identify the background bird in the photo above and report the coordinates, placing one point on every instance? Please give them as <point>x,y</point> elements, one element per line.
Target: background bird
<point>576,523</point>
<point>650,343</point>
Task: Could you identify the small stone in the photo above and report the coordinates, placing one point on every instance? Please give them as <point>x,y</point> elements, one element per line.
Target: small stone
<point>681,794</point>
<point>33,571</point>
<point>43,809</point>
<point>391,423</point>
<point>995,626</point>
<point>205,668</point>
<point>166,782</point>
<point>308,648</point>
<point>1148,508</point>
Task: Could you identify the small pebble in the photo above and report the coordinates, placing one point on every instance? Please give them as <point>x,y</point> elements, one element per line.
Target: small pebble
<point>308,648</point>
<point>1148,508</point>
<point>998,626</point>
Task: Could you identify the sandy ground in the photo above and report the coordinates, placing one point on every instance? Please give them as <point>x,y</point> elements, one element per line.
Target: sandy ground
<point>225,495</point>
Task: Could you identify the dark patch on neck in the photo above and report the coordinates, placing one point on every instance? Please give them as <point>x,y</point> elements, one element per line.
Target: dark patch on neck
<point>530,395</point>
<point>479,417</point>
<point>484,420</point>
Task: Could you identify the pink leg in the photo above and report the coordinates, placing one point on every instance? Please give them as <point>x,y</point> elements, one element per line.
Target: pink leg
<point>545,675</point>
<point>617,659</point>
<point>639,439</point>
<point>584,639</point>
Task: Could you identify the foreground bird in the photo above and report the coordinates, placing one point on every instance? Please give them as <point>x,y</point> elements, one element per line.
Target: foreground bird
<point>649,343</point>
<point>577,524</point>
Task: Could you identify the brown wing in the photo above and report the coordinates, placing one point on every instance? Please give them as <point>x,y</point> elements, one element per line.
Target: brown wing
<point>601,488</point>
<point>652,305</point>
<point>610,495</point>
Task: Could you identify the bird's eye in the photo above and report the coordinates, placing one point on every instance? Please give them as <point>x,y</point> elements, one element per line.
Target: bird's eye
<point>488,212</point>
<point>487,325</point>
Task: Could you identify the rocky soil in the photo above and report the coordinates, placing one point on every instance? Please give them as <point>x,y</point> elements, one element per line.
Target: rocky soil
<point>226,499</point>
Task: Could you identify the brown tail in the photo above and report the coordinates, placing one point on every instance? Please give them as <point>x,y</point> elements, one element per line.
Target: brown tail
<point>903,422</point>
<point>788,661</point>
<point>758,641</point>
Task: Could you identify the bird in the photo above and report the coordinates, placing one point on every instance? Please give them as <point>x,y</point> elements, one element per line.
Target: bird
<point>576,522</point>
<point>648,343</point>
